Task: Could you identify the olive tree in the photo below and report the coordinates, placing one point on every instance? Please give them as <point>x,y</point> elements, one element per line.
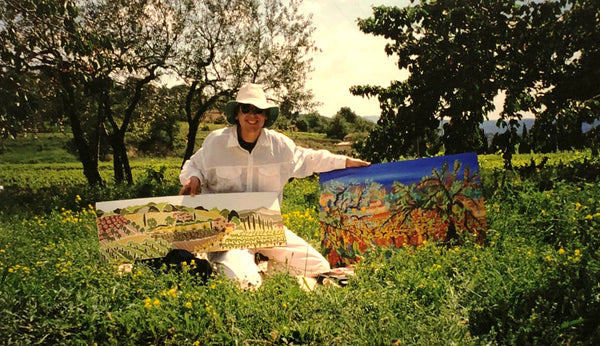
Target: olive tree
<point>228,43</point>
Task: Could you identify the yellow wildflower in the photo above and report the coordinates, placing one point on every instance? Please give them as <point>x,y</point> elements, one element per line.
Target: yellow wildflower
<point>173,292</point>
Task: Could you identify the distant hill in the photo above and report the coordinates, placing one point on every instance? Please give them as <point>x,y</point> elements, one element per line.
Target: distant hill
<point>372,118</point>
<point>489,126</point>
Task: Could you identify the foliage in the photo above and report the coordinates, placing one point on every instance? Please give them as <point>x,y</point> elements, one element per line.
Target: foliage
<point>463,54</point>
<point>42,187</point>
<point>316,123</point>
<point>229,43</point>
<point>101,58</point>
<point>535,280</point>
<point>156,126</point>
<point>98,56</point>
<point>572,96</point>
<point>344,122</point>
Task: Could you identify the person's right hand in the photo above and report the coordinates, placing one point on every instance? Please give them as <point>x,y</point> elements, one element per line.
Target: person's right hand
<point>190,187</point>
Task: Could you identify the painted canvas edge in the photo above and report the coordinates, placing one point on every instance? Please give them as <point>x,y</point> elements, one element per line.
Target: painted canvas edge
<point>241,200</point>
<point>348,173</point>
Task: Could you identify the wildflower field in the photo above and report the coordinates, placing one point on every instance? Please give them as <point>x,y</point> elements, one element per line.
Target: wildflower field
<point>535,280</point>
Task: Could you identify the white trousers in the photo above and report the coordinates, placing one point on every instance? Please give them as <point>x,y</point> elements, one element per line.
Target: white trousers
<point>297,256</point>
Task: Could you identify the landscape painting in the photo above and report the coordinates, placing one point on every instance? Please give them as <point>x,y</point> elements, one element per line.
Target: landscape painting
<point>400,203</point>
<point>146,228</point>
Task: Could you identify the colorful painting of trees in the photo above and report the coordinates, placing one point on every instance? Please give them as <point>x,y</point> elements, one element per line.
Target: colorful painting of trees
<point>400,203</point>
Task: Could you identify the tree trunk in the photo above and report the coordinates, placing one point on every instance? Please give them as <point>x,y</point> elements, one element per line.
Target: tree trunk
<point>191,139</point>
<point>193,117</point>
<point>121,167</point>
<point>87,155</point>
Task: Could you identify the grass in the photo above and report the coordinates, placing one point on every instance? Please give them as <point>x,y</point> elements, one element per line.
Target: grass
<point>55,147</point>
<point>534,281</point>
<point>40,148</point>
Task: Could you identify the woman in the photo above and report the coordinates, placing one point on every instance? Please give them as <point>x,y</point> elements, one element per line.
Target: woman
<point>248,157</point>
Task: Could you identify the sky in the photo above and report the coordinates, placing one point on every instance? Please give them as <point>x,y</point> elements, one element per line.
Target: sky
<point>348,56</point>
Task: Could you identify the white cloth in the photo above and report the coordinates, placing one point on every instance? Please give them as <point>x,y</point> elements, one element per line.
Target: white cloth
<point>298,257</point>
<point>223,166</point>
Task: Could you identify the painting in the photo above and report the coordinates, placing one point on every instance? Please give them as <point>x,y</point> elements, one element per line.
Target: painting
<point>401,203</point>
<point>146,228</point>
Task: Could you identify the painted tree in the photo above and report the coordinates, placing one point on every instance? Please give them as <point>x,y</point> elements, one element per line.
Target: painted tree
<point>453,198</point>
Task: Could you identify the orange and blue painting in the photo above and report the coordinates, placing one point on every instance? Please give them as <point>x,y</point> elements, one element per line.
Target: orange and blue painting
<point>397,204</point>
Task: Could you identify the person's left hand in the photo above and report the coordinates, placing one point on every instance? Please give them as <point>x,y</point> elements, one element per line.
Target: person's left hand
<point>352,162</point>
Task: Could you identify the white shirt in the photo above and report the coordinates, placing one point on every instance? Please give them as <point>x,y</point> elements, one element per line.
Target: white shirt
<point>222,165</point>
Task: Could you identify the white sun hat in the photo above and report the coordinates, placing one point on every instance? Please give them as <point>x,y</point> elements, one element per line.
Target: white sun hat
<point>252,94</point>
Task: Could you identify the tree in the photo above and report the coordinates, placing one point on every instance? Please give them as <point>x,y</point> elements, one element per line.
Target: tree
<point>339,126</point>
<point>90,52</point>
<point>461,54</point>
<point>316,123</point>
<point>232,42</point>
<point>45,39</point>
<point>571,94</point>
<point>344,122</point>
<point>450,48</point>
<point>156,126</point>
<point>142,39</point>
<point>25,103</point>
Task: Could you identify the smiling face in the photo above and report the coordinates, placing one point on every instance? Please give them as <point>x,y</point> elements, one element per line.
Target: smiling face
<point>251,120</point>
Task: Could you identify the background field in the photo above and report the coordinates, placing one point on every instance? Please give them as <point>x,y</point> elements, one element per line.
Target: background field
<point>536,280</point>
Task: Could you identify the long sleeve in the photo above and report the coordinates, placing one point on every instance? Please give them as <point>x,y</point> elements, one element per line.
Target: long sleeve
<point>309,161</point>
<point>222,165</point>
<point>192,169</point>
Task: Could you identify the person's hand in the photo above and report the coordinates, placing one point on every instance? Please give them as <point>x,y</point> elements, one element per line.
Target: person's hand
<point>352,162</point>
<point>190,187</point>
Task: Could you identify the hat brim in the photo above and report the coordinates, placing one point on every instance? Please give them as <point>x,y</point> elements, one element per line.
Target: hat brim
<point>272,112</point>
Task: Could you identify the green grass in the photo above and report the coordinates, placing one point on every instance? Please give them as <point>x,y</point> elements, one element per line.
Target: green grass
<point>55,147</point>
<point>534,281</point>
<point>40,148</point>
